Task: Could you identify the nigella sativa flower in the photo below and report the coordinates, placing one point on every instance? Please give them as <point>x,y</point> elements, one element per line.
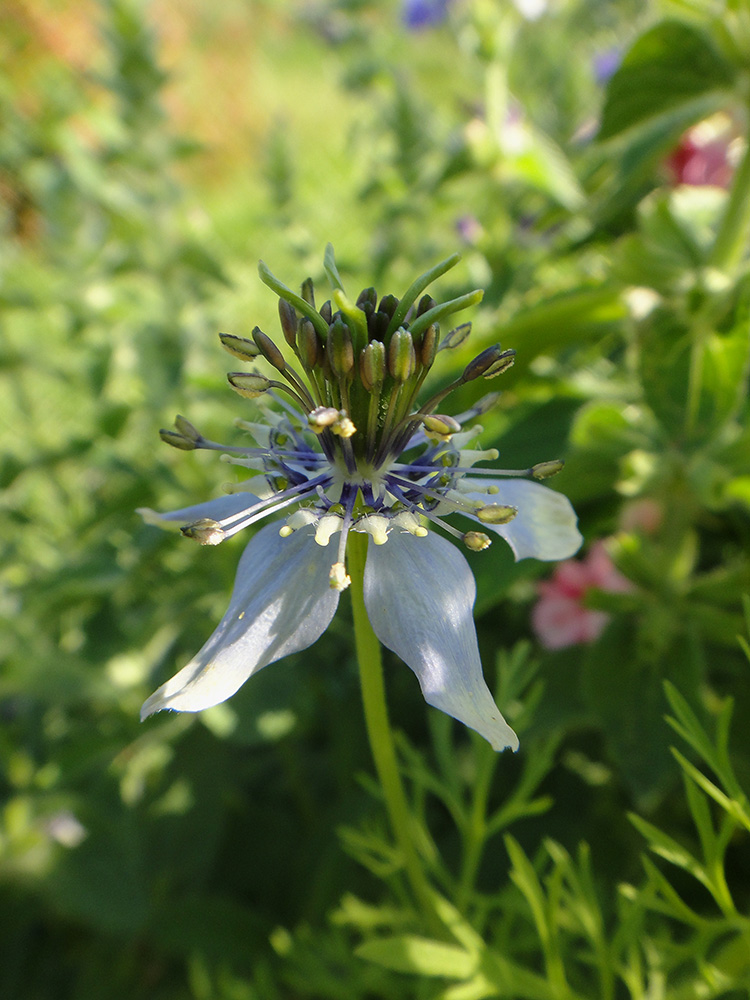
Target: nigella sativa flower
<point>343,446</point>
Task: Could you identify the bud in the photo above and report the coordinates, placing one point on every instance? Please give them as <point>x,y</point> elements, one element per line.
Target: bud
<point>339,348</point>
<point>206,531</point>
<point>401,356</point>
<point>249,384</point>
<point>307,291</point>
<point>388,305</point>
<point>240,347</point>
<point>476,541</point>
<point>496,513</point>
<point>288,319</point>
<point>489,363</point>
<point>372,365</point>
<point>455,337</point>
<point>177,440</point>
<point>326,311</point>
<point>269,350</point>
<point>545,470</point>
<point>368,296</point>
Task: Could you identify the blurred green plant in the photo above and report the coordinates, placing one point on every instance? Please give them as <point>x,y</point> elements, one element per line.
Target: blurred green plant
<point>198,858</point>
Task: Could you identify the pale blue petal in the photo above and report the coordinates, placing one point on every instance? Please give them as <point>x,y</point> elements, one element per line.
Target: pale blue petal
<point>281,603</point>
<point>221,507</point>
<point>419,595</point>
<point>546,524</point>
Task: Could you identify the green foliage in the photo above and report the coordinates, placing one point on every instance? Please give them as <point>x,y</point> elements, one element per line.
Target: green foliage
<point>244,854</point>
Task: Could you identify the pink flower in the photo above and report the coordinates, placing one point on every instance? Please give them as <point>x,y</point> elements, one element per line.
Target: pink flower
<point>560,618</point>
<point>703,156</point>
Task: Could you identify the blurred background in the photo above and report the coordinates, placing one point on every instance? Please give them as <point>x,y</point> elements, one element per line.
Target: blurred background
<point>589,161</point>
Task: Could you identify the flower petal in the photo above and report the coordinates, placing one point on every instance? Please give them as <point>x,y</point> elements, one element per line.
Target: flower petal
<point>419,594</point>
<point>221,507</point>
<point>545,525</point>
<point>281,603</point>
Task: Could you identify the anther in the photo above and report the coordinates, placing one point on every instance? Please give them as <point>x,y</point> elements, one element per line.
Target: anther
<point>544,470</point>
<point>372,365</point>
<point>441,426</point>
<point>269,350</point>
<point>401,356</point>
<point>205,531</point>
<point>489,363</point>
<point>177,440</point>
<point>496,513</point>
<point>288,319</point>
<point>455,337</point>
<point>338,579</point>
<point>249,384</point>
<point>240,347</point>
<point>476,541</point>
<point>340,349</point>
<point>322,417</point>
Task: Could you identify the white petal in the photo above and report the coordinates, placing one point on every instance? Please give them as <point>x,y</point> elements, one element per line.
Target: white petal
<point>419,594</point>
<point>221,507</point>
<point>545,525</point>
<point>281,603</point>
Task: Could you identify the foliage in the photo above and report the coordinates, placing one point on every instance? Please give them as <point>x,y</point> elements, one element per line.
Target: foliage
<point>244,854</point>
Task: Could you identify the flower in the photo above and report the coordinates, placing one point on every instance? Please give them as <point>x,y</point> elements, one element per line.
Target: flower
<point>560,617</point>
<point>347,449</point>
<point>419,14</point>
<point>705,155</point>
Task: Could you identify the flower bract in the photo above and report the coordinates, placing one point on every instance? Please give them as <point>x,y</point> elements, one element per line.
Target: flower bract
<point>340,444</point>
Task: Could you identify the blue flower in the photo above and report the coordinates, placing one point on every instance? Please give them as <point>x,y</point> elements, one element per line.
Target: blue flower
<point>418,14</point>
<point>350,450</point>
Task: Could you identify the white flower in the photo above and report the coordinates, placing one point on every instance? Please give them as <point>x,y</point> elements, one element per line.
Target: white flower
<point>353,452</point>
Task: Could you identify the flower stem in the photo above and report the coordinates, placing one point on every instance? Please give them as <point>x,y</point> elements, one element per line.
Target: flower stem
<point>379,730</point>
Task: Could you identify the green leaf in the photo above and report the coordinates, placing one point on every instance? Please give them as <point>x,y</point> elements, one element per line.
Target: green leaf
<point>667,66</point>
<point>422,956</point>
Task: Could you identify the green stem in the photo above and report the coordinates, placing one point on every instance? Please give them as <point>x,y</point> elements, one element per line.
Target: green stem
<point>731,238</point>
<point>379,730</point>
